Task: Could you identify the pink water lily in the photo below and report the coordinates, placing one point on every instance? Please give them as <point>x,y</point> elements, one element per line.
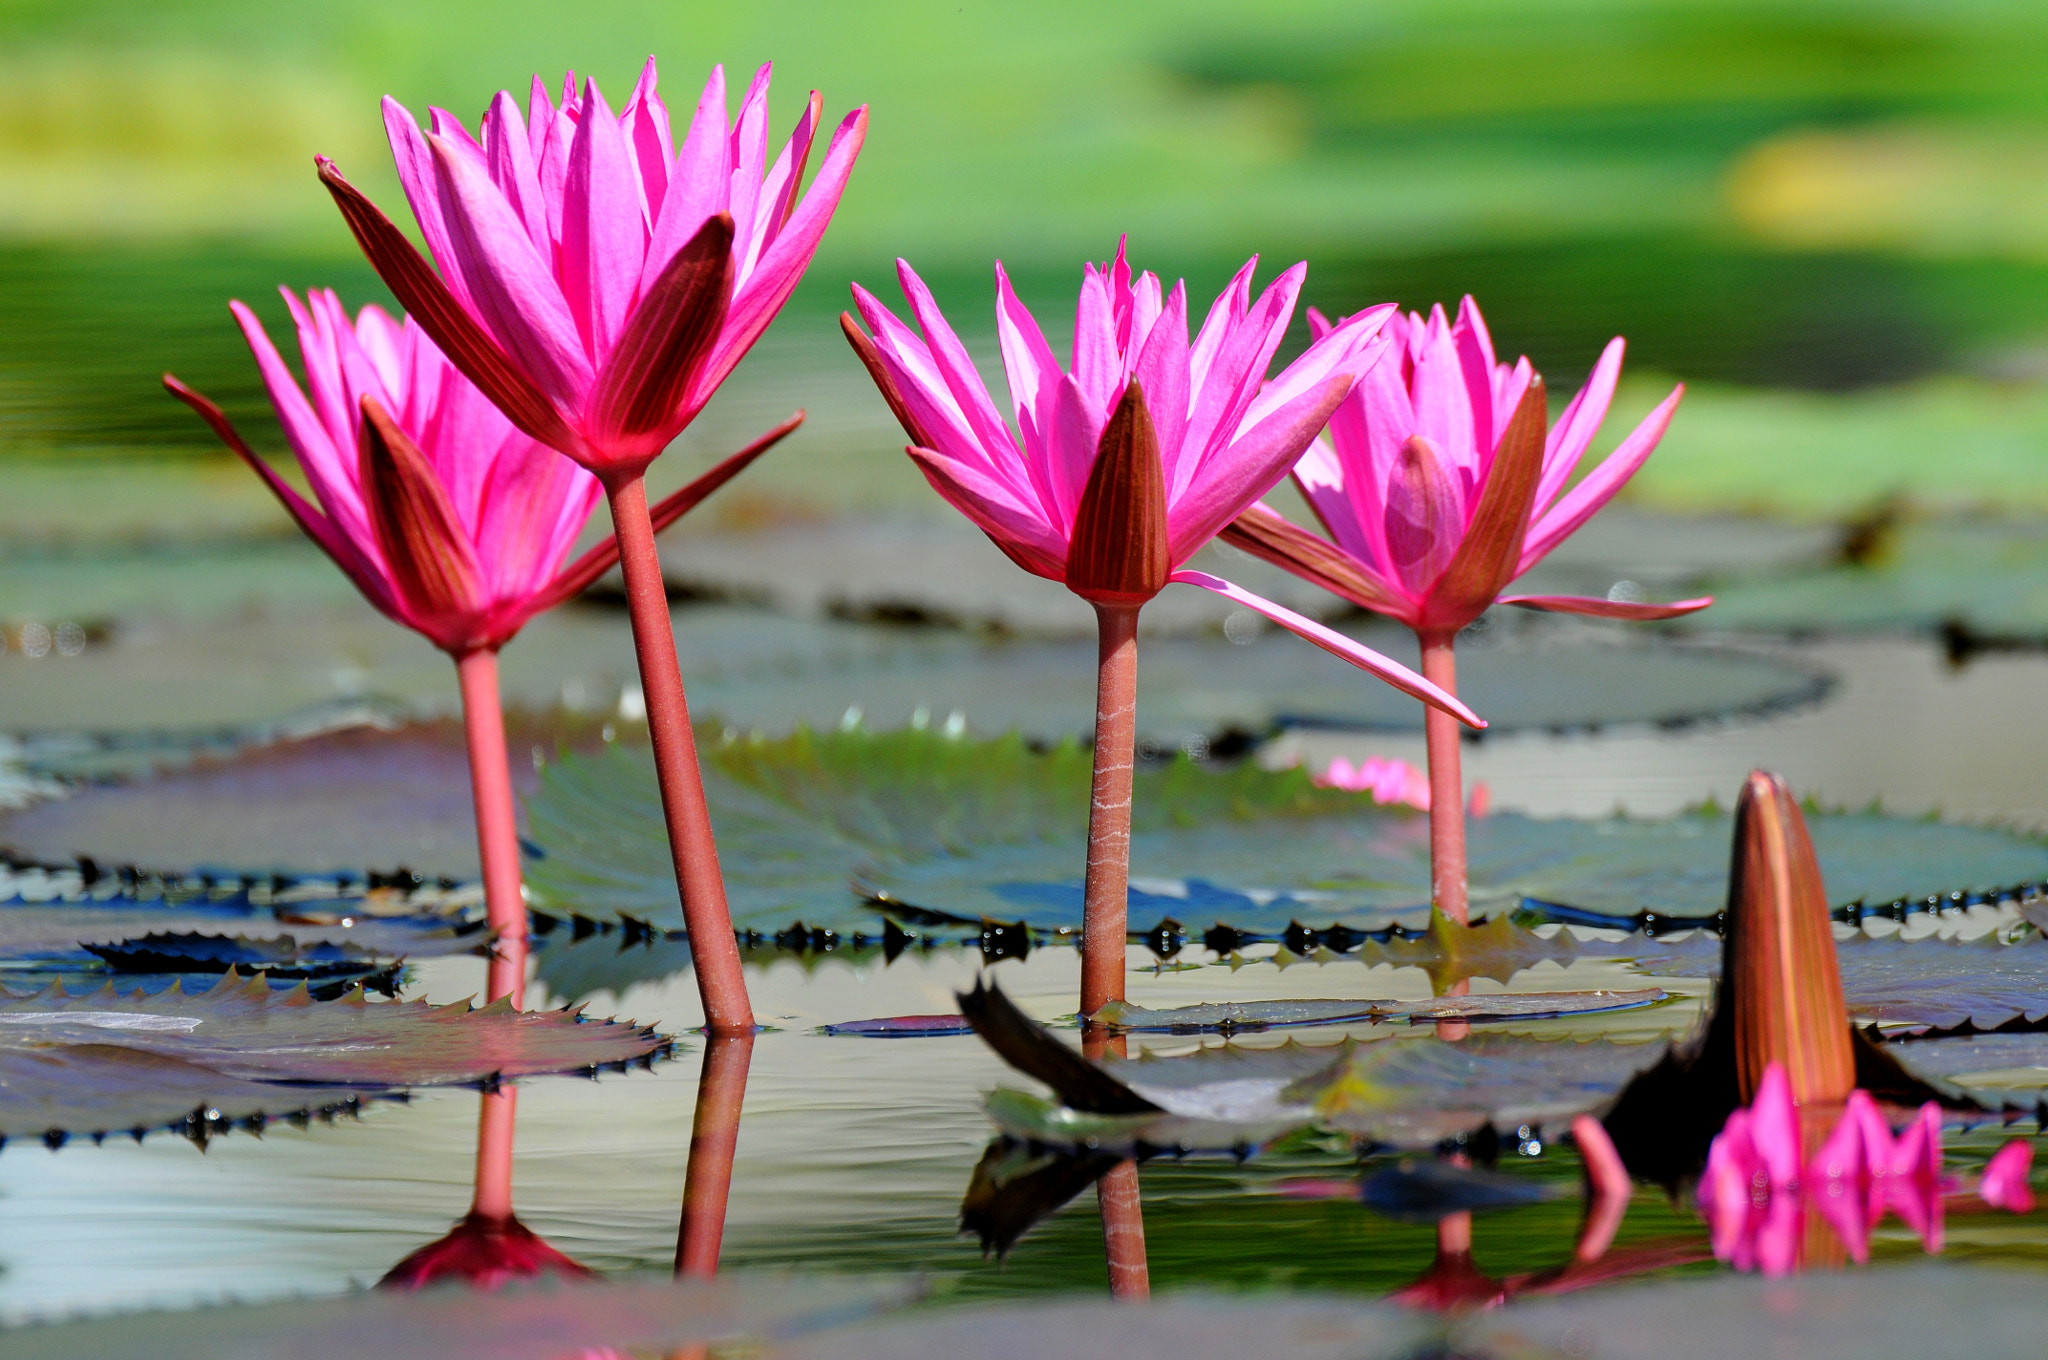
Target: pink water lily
<point>444,516</point>
<point>598,280</point>
<point>1121,465</point>
<point>1439,485</point>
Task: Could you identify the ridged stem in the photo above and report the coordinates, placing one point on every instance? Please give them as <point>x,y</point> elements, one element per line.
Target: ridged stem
<point>714,953</point>
<point>1446,783</point>
<point>714,1138</point>
<point>497,822</point>
<point>1105,907</point>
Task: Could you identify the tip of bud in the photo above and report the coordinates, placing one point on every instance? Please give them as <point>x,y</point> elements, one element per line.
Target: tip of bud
<point>1779,971</point>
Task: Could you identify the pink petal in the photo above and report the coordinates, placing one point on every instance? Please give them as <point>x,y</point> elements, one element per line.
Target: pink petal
<point>508,158</point>
<point>1028,363</point>
<point>1320,479</point>
<point>1584,500</point>
<point>956,369</point>
<point>925,394</point>
<point>782,265</point>
<point>1774,1127</point>
<point>1018,529</point>
<point>645,124</point>
<point>311,439</point>
<point>780,188</point>
<point>1476,363</point>
<point>512,287</point>
<point>415,162</point>
<point>1334,642</point>
<point>1225,314</point>
<point>750,154</point>
<point>1233,478</point>
<point>603,239</point>
<point>1161,369</point>
<point>1443,402</point>
<point>700,184</point>
<point>1098,366</point>
<point>1574,431</point>
<point>1226,390</point>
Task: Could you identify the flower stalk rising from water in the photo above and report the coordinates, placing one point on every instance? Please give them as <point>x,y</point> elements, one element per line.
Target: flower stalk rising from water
<point>599,282</point>
<point>1438,486</point>
<point>1118,469</point>
<point>447,519</point>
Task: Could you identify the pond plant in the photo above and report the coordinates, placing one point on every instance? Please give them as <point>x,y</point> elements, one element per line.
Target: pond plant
<point>1441,483</point>
<point>598,282</point>
<point>447,518</point>
<point>1119,469</point>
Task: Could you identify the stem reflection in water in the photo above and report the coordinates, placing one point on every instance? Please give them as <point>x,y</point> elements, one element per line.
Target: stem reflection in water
<point>1123,1206</point>
<point>714,1136</point>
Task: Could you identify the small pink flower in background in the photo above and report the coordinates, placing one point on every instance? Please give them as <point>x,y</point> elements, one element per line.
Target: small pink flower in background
<point>596,279</point>
<point>1391,780</point>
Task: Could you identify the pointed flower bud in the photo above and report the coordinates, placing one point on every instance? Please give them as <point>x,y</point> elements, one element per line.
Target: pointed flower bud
<point>1778,969</point>
<point>1118,554</point>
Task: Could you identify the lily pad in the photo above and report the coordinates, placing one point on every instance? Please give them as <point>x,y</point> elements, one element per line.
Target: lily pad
<point>546,1320</point>
<point>283,957</point>
<point>1226,1017</point>
<point>991,829</point>
<point>1994,1069</point>
<point>85,1064</point>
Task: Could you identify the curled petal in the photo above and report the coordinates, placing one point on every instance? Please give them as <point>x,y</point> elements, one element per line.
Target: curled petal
<point>1334,642</point>
<point>641,392</point>
<point>431,560</point>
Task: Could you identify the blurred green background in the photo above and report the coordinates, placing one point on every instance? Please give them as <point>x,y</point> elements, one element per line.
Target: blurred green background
<point>1831,219</point>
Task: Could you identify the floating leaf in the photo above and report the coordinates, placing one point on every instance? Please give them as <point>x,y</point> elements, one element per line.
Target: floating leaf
<point>191,952</point>
<point>72,934</point>
<point>1993,1069</point>
<point>901,1027</point>
<point>979,829</point>
<point>547,1320</point>
<point>85,1062</point>
<point>1227,1017</point>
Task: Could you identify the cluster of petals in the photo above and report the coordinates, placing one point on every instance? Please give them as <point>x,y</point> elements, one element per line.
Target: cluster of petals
<point>1411,455</point>
<point>483,1252</point>
<point>450,521</point>
<point>617,275</point>
<point>1757,1185</point>
<point>1224,433</point>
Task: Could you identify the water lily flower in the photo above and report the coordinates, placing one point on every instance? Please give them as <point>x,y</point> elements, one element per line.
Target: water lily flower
<point>1120,466</point>
<point>447,519</point>
<point>598,281</point>
<point>1439,486</point>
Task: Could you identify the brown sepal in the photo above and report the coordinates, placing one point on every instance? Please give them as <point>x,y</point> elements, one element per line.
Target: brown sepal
<point>664,344</point>
<point>427,300</point>
<point>1492,546</point>
<point>1119,553</point>
<point>429,557</point>
<point>1778,963</point>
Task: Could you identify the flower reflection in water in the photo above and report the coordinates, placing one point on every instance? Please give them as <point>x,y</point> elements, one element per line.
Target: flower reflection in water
<point>490,1246</point>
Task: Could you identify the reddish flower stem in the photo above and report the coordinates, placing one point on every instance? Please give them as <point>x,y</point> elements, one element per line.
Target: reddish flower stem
<point>494,1154</point>
<point>714,1137</point>
<point>1105,905</point>
<point>497,824</point>
<point>1446,783</point>
<point>713,951</point>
